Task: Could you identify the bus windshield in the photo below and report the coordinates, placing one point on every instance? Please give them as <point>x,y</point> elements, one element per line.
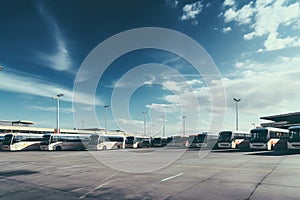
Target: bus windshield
<point>45,139</point>
<point>129,140</point>
<point>201,138</point>
<point>192,139</point>
<point>7,139</point>
<point>259,135</point>
<point>225,136</point>
<point>94,139</point>
<point>177,139</point>
<point>240,136</point>
<point>294,136</point>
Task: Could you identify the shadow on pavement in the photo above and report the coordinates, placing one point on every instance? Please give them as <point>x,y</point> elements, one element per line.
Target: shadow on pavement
<point>17,173</point>
<point>276,153</point>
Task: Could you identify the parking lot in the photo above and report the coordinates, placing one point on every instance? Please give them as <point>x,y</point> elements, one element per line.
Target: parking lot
<point>149,174</point>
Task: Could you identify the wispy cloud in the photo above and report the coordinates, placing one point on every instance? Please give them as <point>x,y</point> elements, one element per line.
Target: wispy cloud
<point>278,21</point>
<point>28,84</point>
<point>172,3</point>
<point>51,109</point>
<point>60,59</point>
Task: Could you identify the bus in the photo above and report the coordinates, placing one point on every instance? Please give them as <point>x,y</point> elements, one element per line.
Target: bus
<point>233,139</point>
<point>59,141</point>
<point>268,138</point>
<point>202,140</point>
<point>1,139</point>
<point>21,141</point>
<point>178,141</point>
<point>294,138</point>
<point>104,142</point>
<point>156,142</point>
<point>137,141</point>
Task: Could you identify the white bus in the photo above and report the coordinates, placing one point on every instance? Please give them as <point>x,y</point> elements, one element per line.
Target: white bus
<point>21,141</point>
<point>202,140</point>
<point>233,139</point>
<point>104,142</point>
<point>137,141</point>
<point>1,139</point>
<point>178,141</point>
<point>268,138</point>
<point>58,141</point>
<point>294,138</point>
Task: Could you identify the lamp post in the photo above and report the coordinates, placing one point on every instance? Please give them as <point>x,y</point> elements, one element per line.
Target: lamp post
<point>183,124</point>
<point>164,125</point>
<point>237,113</point>
<point>254,125</point>
<point>82,124</point>
<point>153,131</point>
<point>145,123</point>
<point>105,117</point>
<point>57,97</point>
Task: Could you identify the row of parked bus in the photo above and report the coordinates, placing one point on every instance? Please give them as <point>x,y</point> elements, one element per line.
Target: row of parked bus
<point>257,138</point>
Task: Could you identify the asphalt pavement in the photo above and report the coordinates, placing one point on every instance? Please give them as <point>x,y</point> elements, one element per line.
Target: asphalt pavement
<point>150,174</point>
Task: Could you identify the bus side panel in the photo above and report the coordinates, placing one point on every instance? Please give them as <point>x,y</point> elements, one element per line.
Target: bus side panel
<point>281,144</point>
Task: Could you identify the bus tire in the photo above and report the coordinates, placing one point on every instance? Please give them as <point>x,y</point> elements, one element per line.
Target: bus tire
<point>104,148</point>
<point>58,148</point>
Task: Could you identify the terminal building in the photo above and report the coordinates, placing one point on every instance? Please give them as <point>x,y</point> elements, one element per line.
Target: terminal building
<point>25,126</point>
<point>282,120</point>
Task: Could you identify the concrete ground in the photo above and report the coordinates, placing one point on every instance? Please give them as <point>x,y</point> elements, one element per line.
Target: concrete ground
<point>150,174</point>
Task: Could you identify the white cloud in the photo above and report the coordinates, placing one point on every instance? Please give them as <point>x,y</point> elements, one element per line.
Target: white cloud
<point>59,60</point>
<point>229,3</point>
<point>266,86</point>
<point>151,81</point>
<point>190,11</point>
<point>164,108</point>
<point>242,16</point>
<point>27,84</point>
<point>51,109</point>
<point>172,85</point>
<point>130,122</point>
<point>274,43</point>
<point>172,3</point>
<point>268,18</point>
<point>226,29</point>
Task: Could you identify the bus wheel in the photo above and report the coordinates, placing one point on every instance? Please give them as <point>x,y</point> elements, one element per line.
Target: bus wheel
<point>104,148</point>
<point>58,148</point>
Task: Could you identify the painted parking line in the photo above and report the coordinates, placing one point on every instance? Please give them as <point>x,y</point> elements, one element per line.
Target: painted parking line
<point>171,177</point>
<point>223,168</point>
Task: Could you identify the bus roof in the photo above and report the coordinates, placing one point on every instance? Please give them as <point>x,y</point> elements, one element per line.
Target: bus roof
<point>270,128</point>
<point>294,127</point>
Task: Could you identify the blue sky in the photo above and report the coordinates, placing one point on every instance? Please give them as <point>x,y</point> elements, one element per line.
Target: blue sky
<point>254,45</point>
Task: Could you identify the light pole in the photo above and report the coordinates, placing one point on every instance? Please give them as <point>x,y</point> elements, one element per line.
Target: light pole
<point>164,125</point>
<point>57,97</point>
<point>82,124</point>
<point>237,112</point>
<point>145,123</point>
<point>253,124</point>
<point>105,117</point>
<point>153,131</point>
<point>183,124</point>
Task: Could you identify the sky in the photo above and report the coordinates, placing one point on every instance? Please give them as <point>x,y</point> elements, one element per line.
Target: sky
<point>253,47</point>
